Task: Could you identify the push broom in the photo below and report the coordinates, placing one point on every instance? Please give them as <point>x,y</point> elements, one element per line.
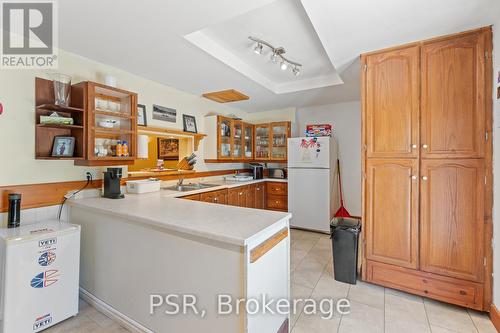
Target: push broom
<point>342,212</point>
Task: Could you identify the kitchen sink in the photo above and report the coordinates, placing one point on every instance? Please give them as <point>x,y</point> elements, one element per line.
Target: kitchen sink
<point>189,187</point>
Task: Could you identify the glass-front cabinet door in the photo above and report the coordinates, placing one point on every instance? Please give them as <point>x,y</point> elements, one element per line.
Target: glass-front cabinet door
<point>279,136</point>
<point>237,139</point>
<point>248,140</point>
<point>262,149</point>
<point>225,138</point>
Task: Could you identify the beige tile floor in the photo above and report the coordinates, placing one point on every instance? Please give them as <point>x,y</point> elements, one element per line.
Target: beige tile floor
<point>373,308</point>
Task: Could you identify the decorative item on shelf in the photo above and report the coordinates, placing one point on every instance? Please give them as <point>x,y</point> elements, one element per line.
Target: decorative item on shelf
<point>164,114</point>
<point>110,80</point>
<point>319,130</point>
<point>63,146</point>
<point>189,123</point>
<point>62,85</point>
<point>276,55</point>
<point>168,149</point>
<point>141,115</point>
<point>1,109</point>
<point>56,119</point>
<point>109,123</point>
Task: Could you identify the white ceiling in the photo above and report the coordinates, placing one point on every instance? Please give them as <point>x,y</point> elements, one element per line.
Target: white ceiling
<point>147,38</point>
<point>228,42</point>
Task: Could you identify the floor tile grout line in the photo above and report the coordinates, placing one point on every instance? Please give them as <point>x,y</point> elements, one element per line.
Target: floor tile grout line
<point>427,316</point>
<point>473,323</point>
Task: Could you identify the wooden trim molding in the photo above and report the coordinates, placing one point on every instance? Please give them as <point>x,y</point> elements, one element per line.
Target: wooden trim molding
<point>49,194</point>
<point>267,245</point>
<point>495,317</point>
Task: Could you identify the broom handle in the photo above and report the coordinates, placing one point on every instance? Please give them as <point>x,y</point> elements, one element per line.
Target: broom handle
<point>340,183</point>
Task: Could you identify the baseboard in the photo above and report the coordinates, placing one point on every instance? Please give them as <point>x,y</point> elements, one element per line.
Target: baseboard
<point>112,313</point>
<point>495,317</point>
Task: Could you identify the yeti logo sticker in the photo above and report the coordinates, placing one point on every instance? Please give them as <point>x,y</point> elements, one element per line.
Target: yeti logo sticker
<point>47,258</point>
<point>42,322</point>
<point>45,279</point>
<point>47,242</point>
<point>28,34</point>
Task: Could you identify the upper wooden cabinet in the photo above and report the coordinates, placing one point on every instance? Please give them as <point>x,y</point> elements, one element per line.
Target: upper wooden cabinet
<point>453,97</point>
<point>392,229</point>
<point>392,103</point>
<point>110,105</point>
<point>452,218</point>
<point>234,140</point>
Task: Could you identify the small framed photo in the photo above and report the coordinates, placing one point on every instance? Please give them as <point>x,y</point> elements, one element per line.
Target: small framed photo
<point>142,120</point>
<point>64,146</point>
<point>189,124</point>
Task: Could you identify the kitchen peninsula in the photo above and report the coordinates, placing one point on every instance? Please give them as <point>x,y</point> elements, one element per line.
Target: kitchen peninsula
<point>160,244</point>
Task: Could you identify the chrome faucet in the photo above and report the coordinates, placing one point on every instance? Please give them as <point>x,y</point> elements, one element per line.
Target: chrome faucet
<point>181,180</point>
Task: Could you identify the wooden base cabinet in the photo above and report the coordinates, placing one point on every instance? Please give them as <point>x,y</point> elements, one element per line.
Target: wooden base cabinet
<point>427,168</point>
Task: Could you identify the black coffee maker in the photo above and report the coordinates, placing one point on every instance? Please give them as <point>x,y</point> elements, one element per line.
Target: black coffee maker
<point>112,179</point>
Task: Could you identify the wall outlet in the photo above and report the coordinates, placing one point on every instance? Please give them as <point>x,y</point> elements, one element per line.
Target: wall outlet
<point>91,172</point>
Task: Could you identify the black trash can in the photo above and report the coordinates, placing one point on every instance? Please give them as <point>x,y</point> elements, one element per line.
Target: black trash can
<point>345,236</point>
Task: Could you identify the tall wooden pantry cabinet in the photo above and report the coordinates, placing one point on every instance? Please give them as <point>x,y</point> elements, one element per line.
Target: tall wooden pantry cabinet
<point>427,168</point>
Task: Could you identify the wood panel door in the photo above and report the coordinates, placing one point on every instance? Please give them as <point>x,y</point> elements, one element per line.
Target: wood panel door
<point>219,197</point>
<point>452,218</point>
<point>392,100</point>
<point>260,196</point>
<point>453,101</point>
<point>392,211</point>
<point>233,196</point>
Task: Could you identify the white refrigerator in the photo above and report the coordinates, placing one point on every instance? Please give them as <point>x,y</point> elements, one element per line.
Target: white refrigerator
<point>313,193</point>
<point>39,272</point>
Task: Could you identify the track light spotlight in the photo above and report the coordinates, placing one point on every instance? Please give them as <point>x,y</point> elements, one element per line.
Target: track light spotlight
<point>296,70</point>
<point>283,65</point>
<point>258,48</point>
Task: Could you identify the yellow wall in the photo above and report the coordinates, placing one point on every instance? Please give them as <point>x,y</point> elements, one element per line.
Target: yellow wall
<point>17,124</point>
<point>150,162</point>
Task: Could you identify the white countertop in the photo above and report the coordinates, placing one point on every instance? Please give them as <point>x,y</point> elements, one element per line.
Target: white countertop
<point>230,224</point>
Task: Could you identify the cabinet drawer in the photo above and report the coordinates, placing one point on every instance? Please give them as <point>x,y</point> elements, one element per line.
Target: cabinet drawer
<point>277,202</point>
<point>446,289</point>
<point>277,188</point>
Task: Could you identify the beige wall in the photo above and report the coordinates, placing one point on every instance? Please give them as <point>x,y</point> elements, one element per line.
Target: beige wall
<point>346,121</point>
<point>17,133</point>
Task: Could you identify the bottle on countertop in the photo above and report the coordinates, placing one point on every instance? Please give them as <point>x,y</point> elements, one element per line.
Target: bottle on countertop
<point>14,215</point>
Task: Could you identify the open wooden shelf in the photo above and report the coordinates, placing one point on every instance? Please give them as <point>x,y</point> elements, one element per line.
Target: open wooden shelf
<point>46,133</point>
<point>60,126</point>
<point>59,108</point>
<point>197,137</point>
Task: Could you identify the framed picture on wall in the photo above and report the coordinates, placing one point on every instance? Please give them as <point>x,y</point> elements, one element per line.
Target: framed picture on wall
<point>189,124</point>
<point>164,114</point>
<point>168,149</point>
<point>141,115</point>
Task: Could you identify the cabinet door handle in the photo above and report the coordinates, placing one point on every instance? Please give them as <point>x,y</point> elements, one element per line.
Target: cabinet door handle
<point>425,146</point>
<point>241,193</point>
<point>414,146</point>
<point>414,177</point>
<point>258,189</point>
<point>277,202</point>
<point>215,199</point>
<point>424,178</point>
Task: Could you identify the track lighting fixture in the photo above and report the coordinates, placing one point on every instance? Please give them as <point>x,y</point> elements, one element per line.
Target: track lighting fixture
<point>276,55</point>
<point>258,48</point>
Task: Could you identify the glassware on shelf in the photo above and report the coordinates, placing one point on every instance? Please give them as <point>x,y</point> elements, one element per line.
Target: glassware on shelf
<point>62,84</point>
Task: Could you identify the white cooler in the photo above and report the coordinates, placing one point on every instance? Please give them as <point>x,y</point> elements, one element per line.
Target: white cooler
<point>39,271</point>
